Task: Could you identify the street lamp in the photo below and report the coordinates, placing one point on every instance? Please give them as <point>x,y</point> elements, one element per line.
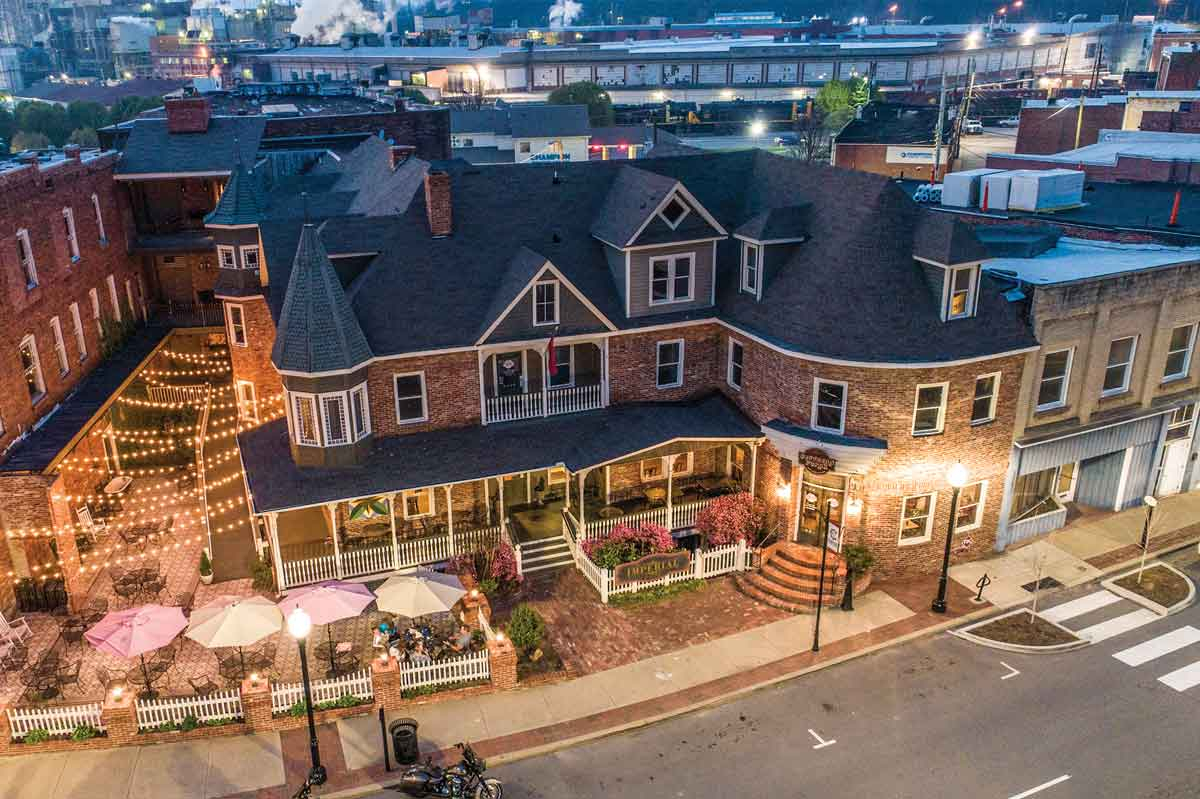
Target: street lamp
<point>957,478</point>
<point>757,129</point>
<point>299,625</point>
<point>832,503</point>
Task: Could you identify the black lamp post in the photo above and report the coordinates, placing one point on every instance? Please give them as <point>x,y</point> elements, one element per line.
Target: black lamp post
<point>299,624</point>
<point>957,478</point>
<point>831,504</point>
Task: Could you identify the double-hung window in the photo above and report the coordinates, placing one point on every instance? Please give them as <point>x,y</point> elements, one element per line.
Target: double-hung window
<point>25,256</point>
<point>227,256</point>
<point>671,278</point>
<point>99,219</point>
<point>411,405</point>
<point>1056,378</point>
<point>60,346</point>
<point>733,370</point>
<point>333,406</point>
<point>545,302</point>
<point>563,374</point>
<point>750,267</point>
<point>247,401</point>
<point>960,294</point>
<point>969,514</point>
<point>111,282</point>
<point>31,366</point>
<point>916,518</point>
<point>1179,352</point>
<point>983,404</point>
<point>829,406</point>
<point>360,413</point>
<point>1119,368</point>
<point>237,325</point>
<point>69,232</point>
<point>77,329</point>
<point>669,367</point>
<point>929,412</point>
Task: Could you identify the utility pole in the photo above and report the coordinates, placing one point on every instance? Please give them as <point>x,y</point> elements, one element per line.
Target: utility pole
<point>963,110</point>
<point>1085,94</point>
<point>937,133</point>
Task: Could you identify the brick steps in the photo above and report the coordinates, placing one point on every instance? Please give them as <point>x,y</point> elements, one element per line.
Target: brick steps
<point>790,576</point>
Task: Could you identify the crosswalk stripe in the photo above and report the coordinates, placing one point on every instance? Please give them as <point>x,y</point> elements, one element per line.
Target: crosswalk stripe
<point>1078,607</point>
<point>1157,647</point>
<point>1182,679</point>
<point>1121,624</point>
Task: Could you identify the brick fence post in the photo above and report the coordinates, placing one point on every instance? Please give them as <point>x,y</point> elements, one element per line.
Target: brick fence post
<point>5,731</point>
<point>502,657</point>
<point>385,682</point>
<point>474,603</point>
<point>119,716</point>
<point>256,704</point>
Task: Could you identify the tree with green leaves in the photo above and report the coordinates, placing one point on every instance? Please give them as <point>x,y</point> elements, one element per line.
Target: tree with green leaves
<point>46,118</point>
<point>85,138</point>
<point>838,100</point>
<point>129,107</point>
<point>586,92</point>
<point>83,114</point>
<point>29,141</point>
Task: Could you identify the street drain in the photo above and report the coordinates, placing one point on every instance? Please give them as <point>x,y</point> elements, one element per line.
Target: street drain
<point>1042,584</point>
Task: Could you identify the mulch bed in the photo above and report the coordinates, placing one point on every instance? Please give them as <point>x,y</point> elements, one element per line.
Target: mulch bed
<point>1023,629</point>
<point>1159,584</point>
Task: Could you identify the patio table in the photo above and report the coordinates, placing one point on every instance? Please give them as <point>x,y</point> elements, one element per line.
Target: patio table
<point>655,495</point>
<point>610,512</point>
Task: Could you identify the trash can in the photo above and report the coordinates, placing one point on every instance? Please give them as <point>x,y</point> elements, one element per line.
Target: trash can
<point>404,741</point>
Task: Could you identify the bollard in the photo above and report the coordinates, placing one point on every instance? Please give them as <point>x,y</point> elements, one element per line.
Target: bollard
<point>981,584</point>
<point>387,760</point>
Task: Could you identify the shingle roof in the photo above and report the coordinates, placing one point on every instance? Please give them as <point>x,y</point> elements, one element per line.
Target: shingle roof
<point>890,123</point>
<point>774,224</point>
<point>241,201</point>
<point>151,150</point>
<point>946,239</point>
<point>317,330</point>
<point>523,267</point>
<point>633,196</point>
<point>534,120</point>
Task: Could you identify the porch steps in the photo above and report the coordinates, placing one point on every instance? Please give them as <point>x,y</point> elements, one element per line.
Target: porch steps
<point>544,554</point>
<point>789,578</point>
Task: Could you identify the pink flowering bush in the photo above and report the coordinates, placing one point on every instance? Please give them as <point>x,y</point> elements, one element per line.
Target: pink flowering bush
<point>492,569</point>
<point>732,517</point>
<point>625,543</point>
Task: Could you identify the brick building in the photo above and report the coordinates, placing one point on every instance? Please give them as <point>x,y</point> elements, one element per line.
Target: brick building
<point>1121,156</point>
<point>1052,126</point>
<point>894,140</point>
<point>1179,69</point>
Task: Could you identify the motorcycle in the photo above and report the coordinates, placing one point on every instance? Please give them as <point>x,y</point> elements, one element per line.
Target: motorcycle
<point>464,779</point>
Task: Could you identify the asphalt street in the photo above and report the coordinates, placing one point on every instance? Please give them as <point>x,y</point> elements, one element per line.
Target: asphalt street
<point>939,717</point>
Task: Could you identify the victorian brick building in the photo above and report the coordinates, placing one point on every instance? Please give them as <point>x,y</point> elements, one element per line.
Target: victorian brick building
<point>547,350</point>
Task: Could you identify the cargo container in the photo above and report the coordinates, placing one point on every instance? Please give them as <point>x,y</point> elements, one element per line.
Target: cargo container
<point>961,189</point>
<point>1045,189</point>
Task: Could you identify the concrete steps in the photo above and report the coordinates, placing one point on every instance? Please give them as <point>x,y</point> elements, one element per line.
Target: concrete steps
<point>544,554</point>
<point>790,576</point>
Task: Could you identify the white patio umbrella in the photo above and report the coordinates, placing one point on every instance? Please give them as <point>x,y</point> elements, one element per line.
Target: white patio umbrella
<point>419,594</point>
<point>232,621</point>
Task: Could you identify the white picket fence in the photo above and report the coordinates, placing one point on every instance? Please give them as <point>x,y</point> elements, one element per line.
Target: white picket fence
<point>219,705</point>
<point>191,393</point>
<point>510,407</point>
<point>358,684</point>
<point>54,719</point>
<point>683,516</point>
<point>464,668</point>
<point>704,563</point>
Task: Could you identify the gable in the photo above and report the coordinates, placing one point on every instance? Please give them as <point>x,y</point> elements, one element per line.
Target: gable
<point>692,226</point>
<point>576,315</point>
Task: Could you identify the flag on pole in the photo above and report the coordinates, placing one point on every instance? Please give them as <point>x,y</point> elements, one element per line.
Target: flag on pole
<point>551,359</point>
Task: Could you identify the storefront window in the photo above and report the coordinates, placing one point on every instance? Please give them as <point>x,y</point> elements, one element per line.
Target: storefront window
<point>1033,494</point>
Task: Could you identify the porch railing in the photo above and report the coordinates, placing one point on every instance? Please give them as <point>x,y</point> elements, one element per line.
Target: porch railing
<point>683,516</point>
<point>704,563</point>
<point>511,407</point>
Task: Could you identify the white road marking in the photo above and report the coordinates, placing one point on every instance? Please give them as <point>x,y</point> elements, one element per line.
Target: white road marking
<point>821,742</point>
<point>1157,647</point>
<point>1121,624</point>
<point>1182,679</point>
<point>1012,672</point>
<point>1078,607</point>
<point>1040,788</point>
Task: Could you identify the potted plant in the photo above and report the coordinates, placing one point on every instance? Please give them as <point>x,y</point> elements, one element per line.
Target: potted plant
<point>206,570</point>
<point>859,561</point>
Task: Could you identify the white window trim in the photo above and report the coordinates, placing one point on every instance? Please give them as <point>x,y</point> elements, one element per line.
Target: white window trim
<point>99,218</point>
<point>230,309</point>
<point>650,478</point>
<point>37,367</point>
<point>995,399</point>
<point>671,260</point>
<point>29,268</point>
<point>72,234</point>
<point>325,400</point>
<point>1066,380</point>
<point>669,464</point>
<point>658,363</point>
<point>972,292</point>
<point>247,409</point>
<point>1187,353</point>
<point>424,397</point>
<point>941,424</point>
<point>248,248</point>
<point>80,338</point>
<point>744,284</point>
<point>570,368</point>
<point>366,409</point>
<point>111,282</point>
<point>60,347</point>
<point>557,475</point>
<point>933,497</point>
<point>129,299</point>
<point>534,293</point>
<point>226,251</point>
<point>429,492</point>
<point>1128,377</point>
<point>729,364</point>
<point>817,381</point>
<point>94,298</point>
<point>687,209</point>
<point>293,398</point>
<point>979,507</point>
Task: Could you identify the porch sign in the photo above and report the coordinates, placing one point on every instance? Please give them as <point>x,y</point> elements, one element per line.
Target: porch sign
<point>817,461</point>
<point>833,537</point>
<point>653,566</point>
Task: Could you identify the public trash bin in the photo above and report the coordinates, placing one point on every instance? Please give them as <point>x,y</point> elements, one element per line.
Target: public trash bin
<point>404,741</point>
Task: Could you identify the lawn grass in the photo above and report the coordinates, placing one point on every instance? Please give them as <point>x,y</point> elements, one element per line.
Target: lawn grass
<point>1159,584</point>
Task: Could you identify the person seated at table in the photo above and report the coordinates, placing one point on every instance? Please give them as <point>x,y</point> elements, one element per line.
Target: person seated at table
<point>418,656</point>
<point>382,634</point>
<point>462,641</point>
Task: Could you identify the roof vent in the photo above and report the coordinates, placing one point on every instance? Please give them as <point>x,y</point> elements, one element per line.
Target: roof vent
<point>556,179</point>
<point>554,237</point>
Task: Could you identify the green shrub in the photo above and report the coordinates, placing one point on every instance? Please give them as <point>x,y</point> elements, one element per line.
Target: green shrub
<point>345,700</point>
<point>263,575</point>
<point>859,559</point>
<point>37,736</point>
<point>656,594</point>
<point>189,723</point>
<point>525,627</point>
<point>205,564</point>
<point>298,709</point>
<point>166,726</point>
<point>478,640</point>
<point>83,732</point>
<point>429,690</point>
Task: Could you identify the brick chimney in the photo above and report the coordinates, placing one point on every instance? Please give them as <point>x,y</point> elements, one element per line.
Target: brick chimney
<point>188,115</point>
<point>72,151</point>
<point>437,203</point>
<point>399,154</point>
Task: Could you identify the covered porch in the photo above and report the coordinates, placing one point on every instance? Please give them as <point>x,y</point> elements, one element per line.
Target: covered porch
<point>519,384</point>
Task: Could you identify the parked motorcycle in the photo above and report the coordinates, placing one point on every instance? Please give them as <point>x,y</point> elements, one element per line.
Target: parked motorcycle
<point>464,779</point>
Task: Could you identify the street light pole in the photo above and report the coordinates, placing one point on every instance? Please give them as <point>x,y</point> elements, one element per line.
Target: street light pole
<point>299,624</point>
<point>830,504</point>
<point>957,477</point>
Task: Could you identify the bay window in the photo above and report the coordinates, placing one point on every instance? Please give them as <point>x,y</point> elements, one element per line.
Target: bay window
<point>329,419</point>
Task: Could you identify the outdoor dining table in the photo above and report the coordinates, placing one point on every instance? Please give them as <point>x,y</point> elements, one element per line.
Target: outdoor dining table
<point>45,678</point>
<point>656,495</point>
<point>146,677</point>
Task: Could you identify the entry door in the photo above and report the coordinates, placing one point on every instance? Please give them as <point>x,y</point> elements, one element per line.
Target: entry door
<point>815,493</point>
<point>510,373</point>
<point>1173,465</point>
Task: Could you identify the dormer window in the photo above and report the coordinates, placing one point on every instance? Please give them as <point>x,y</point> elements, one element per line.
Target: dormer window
<point>674,212</point>
<point>545,302</point>
<point>671,278</point>
<point>751,268</point>
<point>962,288</point>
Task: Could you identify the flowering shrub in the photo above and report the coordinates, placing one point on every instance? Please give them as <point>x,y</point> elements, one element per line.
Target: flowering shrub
<point>625,543</point>
<point>727,519</point>
<point>492,569</point>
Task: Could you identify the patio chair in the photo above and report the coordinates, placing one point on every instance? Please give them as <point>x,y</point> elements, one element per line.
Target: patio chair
<point>184,601</point>
<point>203,686</point>
<point>69,677</point>
<point>102,676</point>
<point>17,657</point>
<point>16,630</point>
<point>91,527</point>
<point>126,590</point>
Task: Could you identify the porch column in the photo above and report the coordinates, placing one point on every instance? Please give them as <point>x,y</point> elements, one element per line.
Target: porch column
<point>670,491</point>
<point>450,520</point>
<point>337,549</point>
<point>503,522</point>
<point>482,390</point>
<point>753,466</point>
<point>545,381</point>
<point>487,500</point>
<point>276,555</point>
<point>391,501</point>
<point>582,501</point>
<point>604,371</point>
<point>607,485</point>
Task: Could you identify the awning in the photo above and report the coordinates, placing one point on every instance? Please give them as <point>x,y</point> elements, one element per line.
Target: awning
<point>851,454</point>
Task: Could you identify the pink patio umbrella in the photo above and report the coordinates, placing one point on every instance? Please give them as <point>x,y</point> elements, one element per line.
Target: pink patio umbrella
<point>328,602</point>
<point>136,631</point>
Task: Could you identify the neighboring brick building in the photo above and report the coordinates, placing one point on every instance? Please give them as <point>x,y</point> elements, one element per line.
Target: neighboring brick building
<point>893,140</point>
<point>1179,69</point>
<point>1121,156</point>
<point>1050,126</point>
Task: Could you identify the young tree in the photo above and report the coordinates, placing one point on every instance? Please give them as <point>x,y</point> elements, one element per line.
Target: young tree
<point>29,141</point>
<point>600,110</point>
<point>812,135</point>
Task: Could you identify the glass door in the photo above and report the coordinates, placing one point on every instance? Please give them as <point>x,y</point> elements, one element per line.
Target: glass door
<point>510,373</point>
<point>815,492</point>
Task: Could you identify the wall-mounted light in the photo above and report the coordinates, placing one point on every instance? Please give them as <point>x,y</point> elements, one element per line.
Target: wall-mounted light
<point>783,492</point>
<point>854,506</point>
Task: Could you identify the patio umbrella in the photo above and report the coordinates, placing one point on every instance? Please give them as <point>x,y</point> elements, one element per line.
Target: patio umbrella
<point>419,594</point>
<point>328,602</point>
<point>234,621</point>
<point>136,631</point>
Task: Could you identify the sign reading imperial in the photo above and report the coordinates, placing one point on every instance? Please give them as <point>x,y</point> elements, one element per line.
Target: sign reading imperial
<point>653,566</point>
<point>817,461</point>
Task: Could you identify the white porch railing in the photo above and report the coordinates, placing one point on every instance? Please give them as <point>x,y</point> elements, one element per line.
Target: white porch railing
<point>704,563</point>
<point>220,705</point>
<point>358,684</point>
<point>683,516</point>
<point>54,719</point>
<point>464,668</point>
<point>190,393</point>
<point>511,407</point>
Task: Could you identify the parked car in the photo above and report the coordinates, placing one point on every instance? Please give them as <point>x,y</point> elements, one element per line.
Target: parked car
<point>1009,122</point>
<point>972,127</point>
<point>787,140</point>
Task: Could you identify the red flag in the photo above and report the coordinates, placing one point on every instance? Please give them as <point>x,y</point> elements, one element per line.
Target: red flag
<point>552,359</point>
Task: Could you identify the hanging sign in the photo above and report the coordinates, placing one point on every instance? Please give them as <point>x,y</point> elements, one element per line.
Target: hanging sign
<point>817,461</point>
<point>833,538</point>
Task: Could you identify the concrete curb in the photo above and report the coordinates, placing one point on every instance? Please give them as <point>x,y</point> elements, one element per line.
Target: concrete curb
<point>1111,584</point>
<point>1025,649</point>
